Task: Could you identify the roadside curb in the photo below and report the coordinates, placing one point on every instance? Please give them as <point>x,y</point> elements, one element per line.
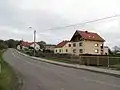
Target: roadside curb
<point>82,67</point>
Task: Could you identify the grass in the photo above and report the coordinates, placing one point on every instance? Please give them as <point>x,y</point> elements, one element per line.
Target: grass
<point>103,61</point>
<point>59,60</point>
<point>8,79</point>
<point>117,66</point>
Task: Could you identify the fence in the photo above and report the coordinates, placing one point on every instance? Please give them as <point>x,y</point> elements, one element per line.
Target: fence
<point>101,61</point>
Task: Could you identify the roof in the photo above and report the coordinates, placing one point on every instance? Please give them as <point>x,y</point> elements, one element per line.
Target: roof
<point>90,36</point>
<point>61,44</point>
<point>26,44</point>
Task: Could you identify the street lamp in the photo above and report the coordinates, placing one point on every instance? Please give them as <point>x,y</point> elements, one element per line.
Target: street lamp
<point>34,39</point>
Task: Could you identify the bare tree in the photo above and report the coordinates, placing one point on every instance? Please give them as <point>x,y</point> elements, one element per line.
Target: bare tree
<point>116,49</point>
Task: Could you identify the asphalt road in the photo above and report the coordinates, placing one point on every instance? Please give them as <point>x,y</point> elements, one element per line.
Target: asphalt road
<point>44,76</point>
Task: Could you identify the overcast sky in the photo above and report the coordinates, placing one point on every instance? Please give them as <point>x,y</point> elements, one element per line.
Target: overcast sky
<point>17,15</point>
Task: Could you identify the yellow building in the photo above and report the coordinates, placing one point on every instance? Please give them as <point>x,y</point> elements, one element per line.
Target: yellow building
<point>82,42</point>
<point>63,47</point>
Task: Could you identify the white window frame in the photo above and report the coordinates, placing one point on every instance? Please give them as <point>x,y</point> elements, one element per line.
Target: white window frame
<point>80,44</point>
<point>74,50</point>
<point>96,51</point>
<point>66,50</point>
<point>96,45</point>
<point>80,51</point>
<point>74,44</point>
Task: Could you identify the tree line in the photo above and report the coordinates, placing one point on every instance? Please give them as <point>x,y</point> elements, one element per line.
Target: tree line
<point>11,43</point>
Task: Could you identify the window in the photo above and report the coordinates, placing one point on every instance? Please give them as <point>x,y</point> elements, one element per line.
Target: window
<point>96,51</point>
<point>69,45</point>
<point>74,50</point>
<point>74,44</point>
<point>101,46</point>
<point>80,44</point>
<point>66,50</point>
<point>59,50</point>
<point>96,45</point>
<point>81,51</point>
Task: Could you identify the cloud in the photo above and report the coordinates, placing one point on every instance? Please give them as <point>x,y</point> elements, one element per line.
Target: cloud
<point>17,15</point>
<point>15,21</point>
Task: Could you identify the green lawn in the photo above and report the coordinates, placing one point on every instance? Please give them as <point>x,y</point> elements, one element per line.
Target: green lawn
<point>59,60</point>
<point>117,66</point>
<point>8,79</point>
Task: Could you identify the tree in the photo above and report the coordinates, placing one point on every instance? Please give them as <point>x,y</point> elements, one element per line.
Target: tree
<point>110,52</point>
<point>116,49</point>
<point>42,44</point>
<point>12,43</point>
<point>2,45</point>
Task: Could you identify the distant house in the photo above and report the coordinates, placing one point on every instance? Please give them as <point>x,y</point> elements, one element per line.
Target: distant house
<point>18,47</point>
<point>106,50</point>
<point>82,42</point>
<point>28,45</point>
<point>63,47</point>
<point>50,47</point>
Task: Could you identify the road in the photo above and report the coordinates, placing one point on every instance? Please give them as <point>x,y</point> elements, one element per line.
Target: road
<point>39,75</point>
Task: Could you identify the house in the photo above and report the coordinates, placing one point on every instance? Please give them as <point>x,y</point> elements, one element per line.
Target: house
<point>106,50</point>
<point>82,42</point>
<point>63,47</point>
<point>18,47</point>
<point>28,45</point>
<point>50,47</point>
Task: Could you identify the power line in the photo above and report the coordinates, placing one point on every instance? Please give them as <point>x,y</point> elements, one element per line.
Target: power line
<point>83,23</point>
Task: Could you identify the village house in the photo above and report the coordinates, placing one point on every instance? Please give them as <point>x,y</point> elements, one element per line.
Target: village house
<point>50,47</point>
<point>27,45</point>
<point>82,42</point>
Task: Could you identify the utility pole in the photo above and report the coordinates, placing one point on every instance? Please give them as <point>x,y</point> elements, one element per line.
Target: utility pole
<point>34,40</point>
<point>34,36</point>
<point>108,62</point>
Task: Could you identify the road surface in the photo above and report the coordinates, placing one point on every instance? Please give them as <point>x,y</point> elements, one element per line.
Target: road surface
<point>39,75</point>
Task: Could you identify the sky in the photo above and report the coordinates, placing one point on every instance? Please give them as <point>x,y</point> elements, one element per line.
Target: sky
<point>16,16</point>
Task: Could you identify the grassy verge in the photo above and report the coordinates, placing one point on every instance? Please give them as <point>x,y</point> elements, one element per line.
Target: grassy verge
<point>83,60</point>
<point>117,66</point>
<point>59,60</point>
<point>8,79</point>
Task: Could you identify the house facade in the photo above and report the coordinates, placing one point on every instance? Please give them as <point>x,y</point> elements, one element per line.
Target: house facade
<point>37,47</point>
<point>50,47</point>
<point>27,45</point>
<point>106,50</point>
<point>82,42</point>
<point>63,48</point>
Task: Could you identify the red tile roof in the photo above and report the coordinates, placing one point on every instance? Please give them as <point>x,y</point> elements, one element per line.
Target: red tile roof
<point>61,44</point>
<point>90,36</point>
<point>26,44</point>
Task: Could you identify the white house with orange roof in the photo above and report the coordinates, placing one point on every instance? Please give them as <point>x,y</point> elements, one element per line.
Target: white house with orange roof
<point>26,45</point>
